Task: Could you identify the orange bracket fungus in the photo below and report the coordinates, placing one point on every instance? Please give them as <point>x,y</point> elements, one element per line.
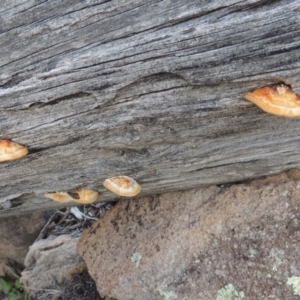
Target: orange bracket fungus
<point>59,196</point>
<point>11,151</point>
<point>278,100</point>
<point>122,186</point>
<point>86,196</point>
<point>82,196</point>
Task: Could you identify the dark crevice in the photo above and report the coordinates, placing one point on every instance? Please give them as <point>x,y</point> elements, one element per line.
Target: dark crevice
<point>70,82</point>
<point>55,101</point>
<point>259,4</point>
<point>37,150</point>
<point>68,97</point>
<point>52,122</point>
<point>284,50</point>
<point>19,201</point>
<point>15,80</point>
<point>254,161</point>
<point>68,142</point>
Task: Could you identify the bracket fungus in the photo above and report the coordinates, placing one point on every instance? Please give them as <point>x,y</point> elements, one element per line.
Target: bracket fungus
<point>59,196</point>
<point>86,196</point>
<point>122,186</point>
<point>82,196</point>
<point>278,100</point>
<point>11,151</point>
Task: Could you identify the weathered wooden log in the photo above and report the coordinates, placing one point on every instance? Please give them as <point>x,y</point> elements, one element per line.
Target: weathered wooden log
<point>149,89</point>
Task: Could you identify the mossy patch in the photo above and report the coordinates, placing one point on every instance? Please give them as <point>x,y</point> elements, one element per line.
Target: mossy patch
<point>294,282</point>
<point>168,295</point>
<point>136,258</point>
<point>229,293</point>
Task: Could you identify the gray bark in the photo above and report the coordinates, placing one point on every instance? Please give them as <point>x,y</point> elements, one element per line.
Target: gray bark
<point>149,89</point>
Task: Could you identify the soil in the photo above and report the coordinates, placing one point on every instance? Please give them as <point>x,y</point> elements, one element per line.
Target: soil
<point>82,287</point>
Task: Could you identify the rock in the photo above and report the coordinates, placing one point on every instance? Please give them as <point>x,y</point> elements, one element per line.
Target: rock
<point>16,235</point>
<point>228,242</point>
<point>49,262</point>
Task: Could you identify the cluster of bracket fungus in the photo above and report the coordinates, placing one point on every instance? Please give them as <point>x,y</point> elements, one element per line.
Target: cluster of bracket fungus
<point>84,196</point>
<point>122,186</point>
<point>11,151</point>
<point>278,100</point>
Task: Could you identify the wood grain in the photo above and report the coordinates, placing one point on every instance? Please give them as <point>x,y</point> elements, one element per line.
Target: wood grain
<point>149,89</point>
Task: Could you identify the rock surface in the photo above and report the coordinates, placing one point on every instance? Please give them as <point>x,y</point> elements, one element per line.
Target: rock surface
<point>16,235</point>
<point>228,242</point>
<point>49,262</point>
